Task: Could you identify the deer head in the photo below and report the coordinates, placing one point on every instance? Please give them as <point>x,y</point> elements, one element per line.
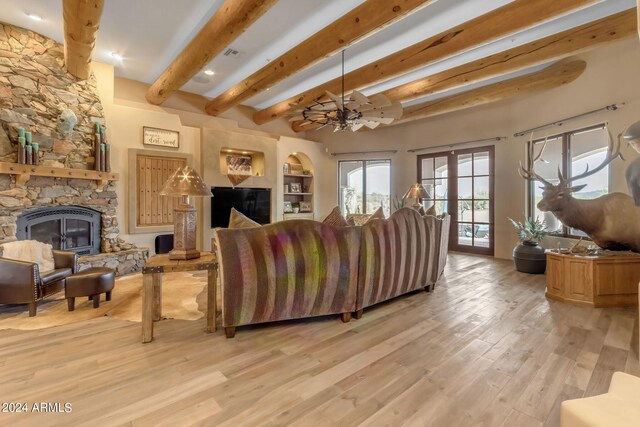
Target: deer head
<point>557,197</point>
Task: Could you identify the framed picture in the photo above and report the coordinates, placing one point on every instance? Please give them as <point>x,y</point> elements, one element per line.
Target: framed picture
<point>305,206</point>
<point>288,208</point>
<point>295,169</point>
<point>296,187</point>
<point>160,137</point>
<point>239,165</point>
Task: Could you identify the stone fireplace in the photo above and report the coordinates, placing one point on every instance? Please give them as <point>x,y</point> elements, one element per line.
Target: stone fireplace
<point>34,90</point>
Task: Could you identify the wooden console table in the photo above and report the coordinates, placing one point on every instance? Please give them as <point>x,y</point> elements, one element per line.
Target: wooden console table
<point>152,288</point>
<point>593,281</point>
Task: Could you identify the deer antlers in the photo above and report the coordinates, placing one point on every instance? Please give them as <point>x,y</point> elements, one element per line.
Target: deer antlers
<point>613,152</point>
<point>529,172</point>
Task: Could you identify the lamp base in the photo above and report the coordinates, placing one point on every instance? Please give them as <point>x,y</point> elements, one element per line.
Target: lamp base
<point>182,254</point>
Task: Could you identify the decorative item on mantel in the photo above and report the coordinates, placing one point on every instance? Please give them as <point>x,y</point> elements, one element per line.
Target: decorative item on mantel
<point>185,182</point>
<point>102,150</point>
<point>28,151</point>
<point>66,122</point>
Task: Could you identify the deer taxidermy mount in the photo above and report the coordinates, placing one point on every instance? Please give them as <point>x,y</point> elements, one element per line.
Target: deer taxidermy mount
<point>612,221</point>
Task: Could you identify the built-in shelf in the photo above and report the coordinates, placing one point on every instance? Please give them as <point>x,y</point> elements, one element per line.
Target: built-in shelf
<point>298,194</point>
<point>293,175</point>
<point>24,172</point>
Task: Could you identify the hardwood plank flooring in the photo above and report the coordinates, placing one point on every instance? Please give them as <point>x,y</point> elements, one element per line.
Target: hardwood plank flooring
<point>486,348</point>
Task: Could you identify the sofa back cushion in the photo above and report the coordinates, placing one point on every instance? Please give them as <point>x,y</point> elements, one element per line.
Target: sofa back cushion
<point>239,220</point>
<point>396,257</point>
<point>30,251</point>
<point>335,218</point>
<point>290,269</point>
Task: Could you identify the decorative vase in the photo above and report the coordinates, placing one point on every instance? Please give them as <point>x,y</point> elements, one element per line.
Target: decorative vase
<point>530,257</point>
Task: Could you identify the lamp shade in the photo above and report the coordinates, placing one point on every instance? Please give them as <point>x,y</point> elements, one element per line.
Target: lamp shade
<point>417,191</point>
<point>185,182</point>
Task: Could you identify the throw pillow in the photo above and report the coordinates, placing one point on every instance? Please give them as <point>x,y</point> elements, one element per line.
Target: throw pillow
<point>432,211</point>
<point>351,221</point>
<point>335,218</point>
<point>378,214</point>
<point>421,211</point>
<point>238,220</point>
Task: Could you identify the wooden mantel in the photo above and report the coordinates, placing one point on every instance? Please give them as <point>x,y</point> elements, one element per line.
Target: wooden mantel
<point>24,172</point>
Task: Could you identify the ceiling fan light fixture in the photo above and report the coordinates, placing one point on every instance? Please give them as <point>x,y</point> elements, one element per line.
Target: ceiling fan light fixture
<point>352,112</point>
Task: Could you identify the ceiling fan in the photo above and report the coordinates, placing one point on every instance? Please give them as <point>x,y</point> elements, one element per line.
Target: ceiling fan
<point>348,113</point>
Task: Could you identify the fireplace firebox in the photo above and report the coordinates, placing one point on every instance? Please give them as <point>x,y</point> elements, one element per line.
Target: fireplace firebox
<point>70,228</point>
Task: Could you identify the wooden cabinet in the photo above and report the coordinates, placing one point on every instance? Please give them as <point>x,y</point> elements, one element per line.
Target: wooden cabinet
<point>606,281</point>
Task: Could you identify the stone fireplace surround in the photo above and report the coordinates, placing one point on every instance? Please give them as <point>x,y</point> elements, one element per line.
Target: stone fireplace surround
<point>40,192</point>
<point>34,89</point>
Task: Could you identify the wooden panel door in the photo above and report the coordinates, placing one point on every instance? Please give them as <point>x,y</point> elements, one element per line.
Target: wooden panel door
<point>152,172</point>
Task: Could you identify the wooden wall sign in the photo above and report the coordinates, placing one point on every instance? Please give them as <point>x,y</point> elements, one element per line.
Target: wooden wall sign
<point>160,137</point>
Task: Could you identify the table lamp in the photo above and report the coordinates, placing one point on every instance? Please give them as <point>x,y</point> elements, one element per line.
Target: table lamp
<point>185,182</point>
<point>417,192</point>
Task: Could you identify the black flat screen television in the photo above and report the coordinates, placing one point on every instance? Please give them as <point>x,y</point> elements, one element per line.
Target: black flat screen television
<point>255,203</point>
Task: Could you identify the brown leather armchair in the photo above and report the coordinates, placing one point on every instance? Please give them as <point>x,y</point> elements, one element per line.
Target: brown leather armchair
<point>22,283</point>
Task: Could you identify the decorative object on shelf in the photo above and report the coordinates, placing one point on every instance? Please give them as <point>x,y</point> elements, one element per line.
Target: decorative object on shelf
<point>348,113</point>
<point>296,207</point>
<point>67,120</point>
<point>529,256</point>
<point>305,206</point>
<point>417,192</point>
<point>286,188</point>
<point>29,155</point>
<point>239,168</point>
<point>306,172</point>
<point>296,169</point>
<point>612,221</point>
<point>35,153</point>
<point>102,150</point>
<point>22,150</point>
<point>288,207</point>
<point>160,137</point>
<point>103,157</point>
<point>296,187</point>
<point>107,157</point>
<point>286,169</point>
<point>185,182</point>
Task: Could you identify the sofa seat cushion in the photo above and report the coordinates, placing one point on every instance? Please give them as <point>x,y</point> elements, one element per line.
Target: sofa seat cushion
<point>52,276</point>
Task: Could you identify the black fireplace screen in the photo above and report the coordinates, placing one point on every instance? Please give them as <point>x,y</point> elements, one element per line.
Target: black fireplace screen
<point>71,228</point>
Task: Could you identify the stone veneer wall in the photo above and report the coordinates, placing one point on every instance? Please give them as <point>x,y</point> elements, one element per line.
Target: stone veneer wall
<point>34,90</point>
<point>124,262</point>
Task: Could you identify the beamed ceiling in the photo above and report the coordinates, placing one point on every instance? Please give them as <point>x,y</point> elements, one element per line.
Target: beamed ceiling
<point>435,56</point>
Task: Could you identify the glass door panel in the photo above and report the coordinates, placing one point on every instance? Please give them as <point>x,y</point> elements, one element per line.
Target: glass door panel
<point>461,183</point>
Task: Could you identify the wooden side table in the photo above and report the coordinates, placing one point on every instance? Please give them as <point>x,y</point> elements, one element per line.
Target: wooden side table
<point>152,287</point>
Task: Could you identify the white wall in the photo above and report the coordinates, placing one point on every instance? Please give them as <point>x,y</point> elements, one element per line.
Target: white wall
<point>612,76</point>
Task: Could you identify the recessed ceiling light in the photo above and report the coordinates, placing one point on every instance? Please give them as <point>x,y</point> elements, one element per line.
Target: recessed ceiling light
<point>35,17</point>
<point>209,72</point>
<point>116,56</point>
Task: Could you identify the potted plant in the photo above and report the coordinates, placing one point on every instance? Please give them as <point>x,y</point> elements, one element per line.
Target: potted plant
<point>529,256</point>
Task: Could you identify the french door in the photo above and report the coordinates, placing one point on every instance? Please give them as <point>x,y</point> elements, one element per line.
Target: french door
<point>461,183</point>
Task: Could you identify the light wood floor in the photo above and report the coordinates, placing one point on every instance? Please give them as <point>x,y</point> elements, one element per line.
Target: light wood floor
<point>486,348</point>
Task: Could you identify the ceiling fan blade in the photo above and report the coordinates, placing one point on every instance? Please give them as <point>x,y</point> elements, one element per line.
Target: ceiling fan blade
<point>359,97</point>
<point>336,99</point>
<point>380,100</point>
<point>296,118</point>
<point>357,127</point>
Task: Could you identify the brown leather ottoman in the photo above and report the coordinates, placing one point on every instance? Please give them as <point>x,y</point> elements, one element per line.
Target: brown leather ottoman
<point>89,283</point>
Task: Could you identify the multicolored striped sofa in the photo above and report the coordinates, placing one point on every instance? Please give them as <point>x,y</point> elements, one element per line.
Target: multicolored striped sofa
<point>301,268</point>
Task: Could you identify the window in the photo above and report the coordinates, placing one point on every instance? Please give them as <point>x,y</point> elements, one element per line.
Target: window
<point>572,152</point>
<point>364,186</point>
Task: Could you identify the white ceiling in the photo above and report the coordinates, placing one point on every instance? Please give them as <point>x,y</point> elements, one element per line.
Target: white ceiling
<point>150,33</point>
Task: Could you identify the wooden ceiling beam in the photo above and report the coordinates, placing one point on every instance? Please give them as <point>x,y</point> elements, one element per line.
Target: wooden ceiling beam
<point>511,18</point>
<point>230,20</point>
<point>81,23</point>
<point>552,48</point>
<point>549,78</point>
<point>363,21</point>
